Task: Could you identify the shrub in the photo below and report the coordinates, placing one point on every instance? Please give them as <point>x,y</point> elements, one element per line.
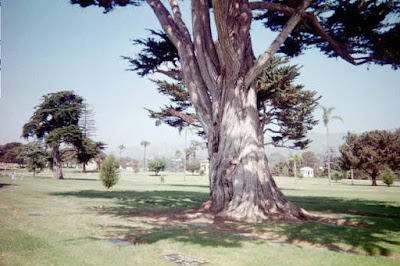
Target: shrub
<point>387,176</point>
<point>109,173</point>
<point>336,175</point>
<point>157,165</point>
<point>201,172</point>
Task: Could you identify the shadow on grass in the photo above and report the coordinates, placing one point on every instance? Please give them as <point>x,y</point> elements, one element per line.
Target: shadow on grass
<point>378,220</point>
<point>375,236</point>
<point>3,185</point>
<point>144,201</point>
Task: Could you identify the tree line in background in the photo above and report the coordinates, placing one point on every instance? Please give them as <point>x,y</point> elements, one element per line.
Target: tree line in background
<point>371,155</point>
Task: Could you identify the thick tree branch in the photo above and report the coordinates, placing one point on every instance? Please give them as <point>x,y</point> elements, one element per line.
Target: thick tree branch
<point>204,45</point>
<point>191,72</point>
<point>316,26</point>
<point>167,22</point>
<point>276,44</point>
<point>178,18</point>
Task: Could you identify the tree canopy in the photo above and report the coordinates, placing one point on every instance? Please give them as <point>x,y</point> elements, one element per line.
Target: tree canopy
<point>55,121</point>
<point>371,152</point>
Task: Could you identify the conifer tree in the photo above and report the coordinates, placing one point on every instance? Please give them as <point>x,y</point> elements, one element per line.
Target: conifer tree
<point>55,121</point>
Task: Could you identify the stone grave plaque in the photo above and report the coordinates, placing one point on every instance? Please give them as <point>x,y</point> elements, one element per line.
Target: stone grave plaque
<point>180,259</point>
<point>119,242</point>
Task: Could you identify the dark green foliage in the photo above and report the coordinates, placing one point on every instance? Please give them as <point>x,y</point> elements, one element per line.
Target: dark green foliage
<point>286,110</point>
<point>158,51</point>
<point>88,150</point>
<point>388,176</point>
<point>109,173</point>
<point>371,152</point>
<point>35,157</point>
<point>193,167</point>
<point>107,5</point>
<point>56,119</point>
<point>157,165</point>
<point>369,30</point>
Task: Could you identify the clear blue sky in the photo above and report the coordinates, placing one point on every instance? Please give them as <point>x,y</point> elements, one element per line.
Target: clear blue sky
<point>50,45</point>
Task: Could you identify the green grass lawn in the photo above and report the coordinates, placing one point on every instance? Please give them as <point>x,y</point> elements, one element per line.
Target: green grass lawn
<point>69,222</point>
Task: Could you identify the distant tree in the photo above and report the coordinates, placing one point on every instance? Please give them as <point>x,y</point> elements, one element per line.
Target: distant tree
<point>144,143</point>
<point>35,157</point>
<point>87,121</point>
<point>121,148</point>
<point>327,117</point>
<point>157,165</point>
<point>109,172</point>
<point>56,121</point>
<point>87,151</point>
<point>372,151</point>
<point>129,162</point>
<point>193,167</point>
<point>296,159</point>
<point>310,159</point>
<point>10,153</point>
<point>191,151</point>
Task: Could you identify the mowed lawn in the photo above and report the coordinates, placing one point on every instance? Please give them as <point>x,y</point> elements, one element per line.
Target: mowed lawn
<point>71,222</point>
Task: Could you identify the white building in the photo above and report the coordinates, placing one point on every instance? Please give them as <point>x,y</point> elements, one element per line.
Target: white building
<point>307,171</point>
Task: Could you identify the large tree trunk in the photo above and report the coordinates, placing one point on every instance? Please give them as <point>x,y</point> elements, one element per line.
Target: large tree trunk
<point>57,164</point>
<point>220,76</point>
<point>373,176</point>
<point>83,167</point>
<point>241,185</point>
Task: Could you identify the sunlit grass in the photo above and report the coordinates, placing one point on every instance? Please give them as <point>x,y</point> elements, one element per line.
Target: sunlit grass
<point>68,222</point>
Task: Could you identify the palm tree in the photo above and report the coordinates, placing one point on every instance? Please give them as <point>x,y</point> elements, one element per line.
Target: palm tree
<point>144,143</point>
<point>121,147</point>
<point>295,158</point>
<point>326,116</point>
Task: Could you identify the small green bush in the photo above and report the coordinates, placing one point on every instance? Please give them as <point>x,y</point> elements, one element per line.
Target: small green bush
<point>109,173</point>
<point>387,176</point>
<point>336,175</point>
<point>201,172</point>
